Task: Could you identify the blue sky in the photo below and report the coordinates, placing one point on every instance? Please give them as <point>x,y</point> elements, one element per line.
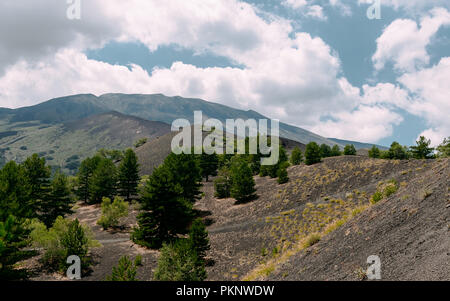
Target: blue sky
<point>318,64</point>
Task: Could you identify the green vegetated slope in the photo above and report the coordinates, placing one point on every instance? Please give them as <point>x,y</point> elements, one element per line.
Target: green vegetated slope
<point>155,107</point>
<point>321,225</point>
<point>70,128</point>
<point>65,145</point>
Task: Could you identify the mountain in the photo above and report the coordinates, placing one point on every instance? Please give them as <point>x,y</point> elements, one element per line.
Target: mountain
<point>68,129</point>
<point>156,107</point>
<point>358,145</point>
<point>59,110</point>
<point>153,153</point>
<point>64,145</point>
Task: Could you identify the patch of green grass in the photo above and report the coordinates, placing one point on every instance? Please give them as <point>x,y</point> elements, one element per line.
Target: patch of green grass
<point>311,240</point>
<point>376,197</point>
<point>264,252</point>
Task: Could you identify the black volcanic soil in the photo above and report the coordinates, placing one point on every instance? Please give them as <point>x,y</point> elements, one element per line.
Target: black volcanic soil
<point>409,231</point>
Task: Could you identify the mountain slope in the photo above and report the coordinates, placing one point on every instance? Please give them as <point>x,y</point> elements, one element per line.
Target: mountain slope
<point>259,240</point>
<point>153,153</point>
<point>65,145</point>
<point>408,230</point>
<point>59,110</point>
<point>358,145</point>
<point>155,107</point>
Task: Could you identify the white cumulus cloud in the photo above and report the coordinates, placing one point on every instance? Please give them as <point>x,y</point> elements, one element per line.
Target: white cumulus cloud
<point>404,43</point>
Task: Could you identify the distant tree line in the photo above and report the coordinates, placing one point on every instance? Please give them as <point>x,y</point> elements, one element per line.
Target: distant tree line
<point>422,150</point>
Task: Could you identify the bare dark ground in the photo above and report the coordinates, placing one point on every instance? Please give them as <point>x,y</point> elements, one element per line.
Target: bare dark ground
<point>409,232</point>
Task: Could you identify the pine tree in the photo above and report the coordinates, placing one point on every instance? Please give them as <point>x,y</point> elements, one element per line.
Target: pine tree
<point>164,211</point>
<point>222,184</point>
<point>444,148</point>
<point>374,152</point>
<point>396,151</point>
<point>208,165</point>
<point>312,153</point>
<point>198,237</point>
<point>125,271</point>
<point>186,172</point>
<point>76,242</point>
<point>335,151</point>
<point>272,170</point>
<point>84,177</point>
<point>283,174</point>
<point>296,156</point>
<point>59,202</point>
<point>38,176</point>
<point>128,175</point>
<point>350,150</point>
<point>422,149</point>
<point>12,239</point>
<point>14,192</point>
<point>243,184</point>
<point>325,151</point>
<point>104,181</point>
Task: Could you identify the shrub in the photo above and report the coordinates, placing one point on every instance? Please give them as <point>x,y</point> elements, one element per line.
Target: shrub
<point>179,262</point>
<point>374,152</point>
<point>140,142</point>
<point>283,174</point>
<point>264,252</point>
<point>125,270</point>
<point>311,240</point>
<point>112,212</point>
<point>377,196</point>
<point>296,156</point>
<point>138,260</point>
<point>63,239</point>
<point>222,184</point>
<point>390,188</point>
